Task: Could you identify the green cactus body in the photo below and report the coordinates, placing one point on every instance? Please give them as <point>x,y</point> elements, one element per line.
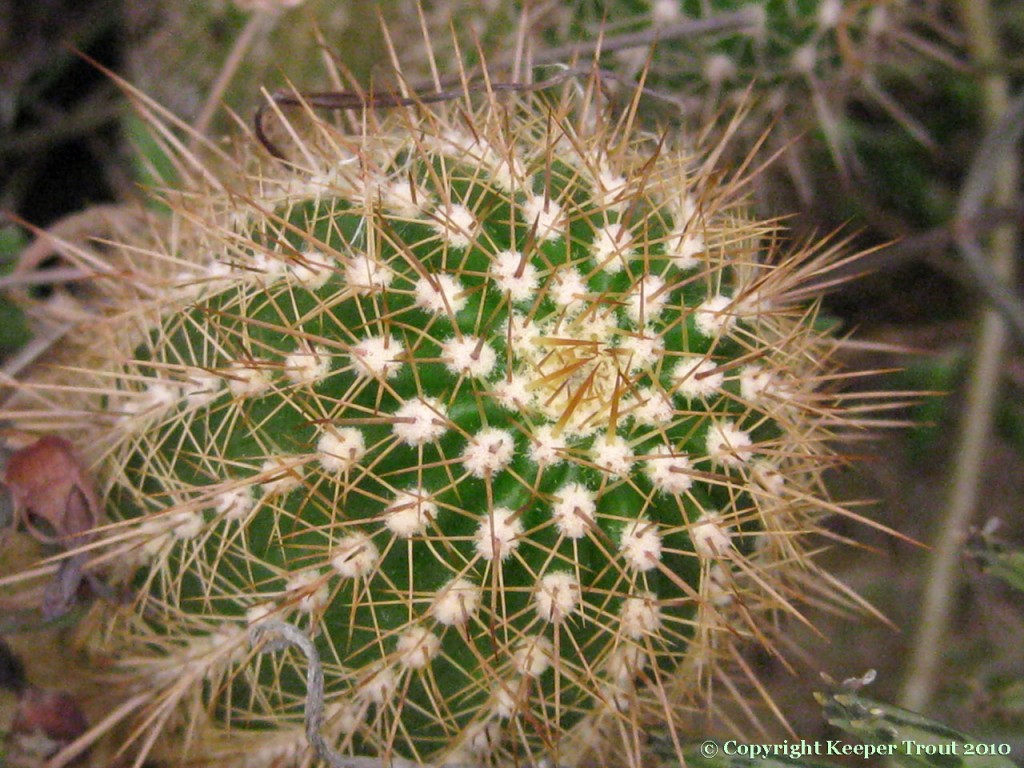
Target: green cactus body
<point>504,404</point>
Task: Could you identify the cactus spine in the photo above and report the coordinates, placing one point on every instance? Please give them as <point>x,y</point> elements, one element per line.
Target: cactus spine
<point>502,401</point>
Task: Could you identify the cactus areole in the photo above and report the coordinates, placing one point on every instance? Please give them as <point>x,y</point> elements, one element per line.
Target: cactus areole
<point>503,402</point>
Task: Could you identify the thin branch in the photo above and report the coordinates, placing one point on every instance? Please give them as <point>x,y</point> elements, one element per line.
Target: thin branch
<point>273,636</point>
<point>453,87</point>
<point>983,175</point>
<point>747,18</point>
<point>996,169</point>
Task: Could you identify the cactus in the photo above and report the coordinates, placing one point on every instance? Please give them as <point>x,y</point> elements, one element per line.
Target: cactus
<point>823,79</point>
<point>505,403</point>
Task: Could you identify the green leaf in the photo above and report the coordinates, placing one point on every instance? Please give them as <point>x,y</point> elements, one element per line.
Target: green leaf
<point>153,167</point>
<point>916,741</point>
<point>1008,565</point>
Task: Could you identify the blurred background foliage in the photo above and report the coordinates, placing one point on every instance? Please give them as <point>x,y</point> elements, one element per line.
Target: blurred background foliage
<point>869,111</point>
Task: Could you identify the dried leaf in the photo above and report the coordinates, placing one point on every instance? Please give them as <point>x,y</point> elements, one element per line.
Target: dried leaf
<point>48,484</point>
<point>45,722</point>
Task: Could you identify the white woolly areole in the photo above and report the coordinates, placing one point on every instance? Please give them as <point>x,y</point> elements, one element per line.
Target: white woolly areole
<point>439,293</point>
<point>340,449</point>
<point>595,326</point>
<point>546,447</point>
<point>202,388</point>
<point>307,366</point>
<point>612,454</point>
<point>270,265</point>
<point>498,534</point>
<point>153,537</point>
<point>482,739</point>
<point>753,305</point>
<point>417,647</point>
<point>281,475</point>
<point>568,288</point>
<point>696,378</point>
<point>470,356</point>
<point>504,703</point>
<point>161,397</point>
<point>718,586</point>
<point>365,274</point>
<point>247,380</point>
<point>489,451</point>
<point>259,613</point>
<point>355,556</point>
<point>185,524</point>
<point>155,400</point>
<point>612,247</point>
<point>684,247</point>
<point>455,224</point>
<point>574,510</point>
<point>625,663</point>
<point>217,270</point>
<point>557,596</point>
<point>642,352</point>
<point>313,269</point>
<point>669,472</point>
<point>755,383</point>
<point>311,589</point>
<point>345,717</point>
<point>726,444</point>
<point>514,274</point>
<point>457,602</point>
<point>235,503</point>
<point>805,58</point>
<point>768,477</point>
<point>612,188</point>
<point>410,513</point>
<point>456,142</point>
<point>647,299</point>
<point>654,408</point>
<point>640,615</point>
<point>522,334</point>
<point>513,395</point>
<point>830,13</point>
<point>640,544</point>
<point>420,421</point>
<point>506,169</point>
<point>710,538</point>
<point>376,357</point>
<point>664,12</point>
<point>718,68</point>
<point>533,657</point>
<point>406,199</point>
<point>546,215</point>
<point>379,687</point>
<point>714,316</point>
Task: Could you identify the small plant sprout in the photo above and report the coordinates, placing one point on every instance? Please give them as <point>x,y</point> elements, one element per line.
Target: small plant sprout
<point>500,400</point>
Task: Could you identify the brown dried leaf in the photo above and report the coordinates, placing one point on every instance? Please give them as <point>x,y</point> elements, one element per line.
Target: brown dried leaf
<point>45,722</point>
<point>48,484</point>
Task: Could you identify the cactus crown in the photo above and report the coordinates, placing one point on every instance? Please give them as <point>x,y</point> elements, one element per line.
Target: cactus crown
<point>503,401</point>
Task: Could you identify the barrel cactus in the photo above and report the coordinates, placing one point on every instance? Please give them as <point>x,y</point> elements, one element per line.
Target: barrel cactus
<point>504,402</point>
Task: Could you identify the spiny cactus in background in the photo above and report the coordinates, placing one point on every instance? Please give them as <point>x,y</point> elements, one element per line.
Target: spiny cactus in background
<point>181,53</point>
<point>823,75</point>
<point>505,403</point>
<point>826,75</point>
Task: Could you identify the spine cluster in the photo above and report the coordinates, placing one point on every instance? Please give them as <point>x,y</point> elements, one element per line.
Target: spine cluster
<point>503,402</point>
